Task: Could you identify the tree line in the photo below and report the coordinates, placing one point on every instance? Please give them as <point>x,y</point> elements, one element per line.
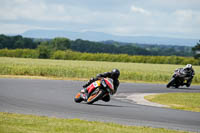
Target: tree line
<point>46,46</point>
<point>63,48</point>
<point>13,42</point>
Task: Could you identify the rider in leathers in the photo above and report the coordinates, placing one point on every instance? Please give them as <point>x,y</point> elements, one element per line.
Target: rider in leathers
<point>189,71</point>
<point>114,74</point>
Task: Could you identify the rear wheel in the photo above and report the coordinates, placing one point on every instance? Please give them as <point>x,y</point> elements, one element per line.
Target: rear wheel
<point>176,86</point>
<point>78,98</point>
<point>94,97</point>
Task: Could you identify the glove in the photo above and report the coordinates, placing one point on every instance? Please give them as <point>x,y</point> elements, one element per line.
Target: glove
<point>85,85</point>
<point>89,82</point>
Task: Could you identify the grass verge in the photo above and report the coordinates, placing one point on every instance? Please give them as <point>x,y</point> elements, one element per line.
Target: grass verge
<point>87,69</point>
<point>18,123</point>
<point>182,101</point>
<point>78,79</point>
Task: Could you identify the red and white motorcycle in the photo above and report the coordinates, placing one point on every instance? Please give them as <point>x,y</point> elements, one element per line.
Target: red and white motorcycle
<point>96,91</point>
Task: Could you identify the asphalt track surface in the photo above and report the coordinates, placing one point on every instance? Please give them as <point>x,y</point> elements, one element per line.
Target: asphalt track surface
<point>55,98</point>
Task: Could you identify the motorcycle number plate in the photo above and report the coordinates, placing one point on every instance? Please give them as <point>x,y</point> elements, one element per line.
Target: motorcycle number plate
<point>96,84</point>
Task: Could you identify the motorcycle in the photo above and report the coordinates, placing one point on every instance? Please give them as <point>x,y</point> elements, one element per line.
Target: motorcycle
<point>178,79</point>
<point>96,91</point>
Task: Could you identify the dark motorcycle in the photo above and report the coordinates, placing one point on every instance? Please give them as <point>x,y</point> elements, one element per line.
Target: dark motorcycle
<point>96,91</point>
<point>178,79</point>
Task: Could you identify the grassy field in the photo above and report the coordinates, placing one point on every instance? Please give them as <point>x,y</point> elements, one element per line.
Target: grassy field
<point>87,69</point>
<point>183,101</point>
<point>18,123</point>
<point>82,70</point>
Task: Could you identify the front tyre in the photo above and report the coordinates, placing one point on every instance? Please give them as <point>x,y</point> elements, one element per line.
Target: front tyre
<point>78,98</point>
<point>95,97</point>
<point>171,82</point>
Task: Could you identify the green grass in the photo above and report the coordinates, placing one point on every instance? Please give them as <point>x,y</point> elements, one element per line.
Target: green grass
<point>18,123</point>
<point>183,101</point>
<point>86,69</point>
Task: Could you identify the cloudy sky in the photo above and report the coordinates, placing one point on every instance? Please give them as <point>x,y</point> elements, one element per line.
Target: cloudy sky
<point>171,18</point>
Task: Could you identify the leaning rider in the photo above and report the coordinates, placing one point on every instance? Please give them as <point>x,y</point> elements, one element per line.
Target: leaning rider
<point>114,74</point>
<point>189,71</point>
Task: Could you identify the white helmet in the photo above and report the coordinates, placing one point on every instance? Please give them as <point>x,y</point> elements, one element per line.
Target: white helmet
<point>188,67</point>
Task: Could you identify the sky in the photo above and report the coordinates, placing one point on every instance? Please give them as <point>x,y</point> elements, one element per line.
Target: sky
<point>164,18</point>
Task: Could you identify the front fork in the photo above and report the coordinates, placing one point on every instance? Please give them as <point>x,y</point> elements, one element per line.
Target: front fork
<point>178,80</point>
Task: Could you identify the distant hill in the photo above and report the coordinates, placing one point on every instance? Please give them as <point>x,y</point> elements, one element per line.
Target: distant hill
<point>100,36</point>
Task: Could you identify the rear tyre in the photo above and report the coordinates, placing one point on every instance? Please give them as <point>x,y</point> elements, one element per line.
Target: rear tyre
<point>95,97</point>
<point>78,98</point>
<point>188,85</point>
<point>176,86</point>
<point>171,82</point>
<point>106,98</point>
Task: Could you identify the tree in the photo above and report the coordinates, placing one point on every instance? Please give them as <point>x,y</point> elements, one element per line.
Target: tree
<point>196,50</point>
<point>60,43</point>
<point>19,44</point>
<point>44,50</point>
<point>13,42</point>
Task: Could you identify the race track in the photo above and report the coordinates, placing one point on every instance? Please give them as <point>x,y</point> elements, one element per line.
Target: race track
<point>55,98</point>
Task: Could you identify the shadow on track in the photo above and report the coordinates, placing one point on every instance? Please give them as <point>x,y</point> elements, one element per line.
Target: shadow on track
<point>106,105</point>
<point>183,88</point>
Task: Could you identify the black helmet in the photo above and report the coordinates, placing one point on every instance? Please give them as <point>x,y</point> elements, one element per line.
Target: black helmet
<point>115,73</point>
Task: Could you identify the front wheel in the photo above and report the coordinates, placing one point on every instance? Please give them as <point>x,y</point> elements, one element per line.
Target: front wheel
<point>94,97</point>
<point>171,82</point>
<point>78,98</point>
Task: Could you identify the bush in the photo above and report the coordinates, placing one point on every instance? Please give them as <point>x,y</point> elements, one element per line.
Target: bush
<point>45,52</point>
<point>23,53</point>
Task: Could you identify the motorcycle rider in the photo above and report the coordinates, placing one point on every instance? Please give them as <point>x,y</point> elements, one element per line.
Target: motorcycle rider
<point>189,72</point>
<point>114,74</point>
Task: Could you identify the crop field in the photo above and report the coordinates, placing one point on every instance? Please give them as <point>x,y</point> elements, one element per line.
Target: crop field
<point>87,69</point>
